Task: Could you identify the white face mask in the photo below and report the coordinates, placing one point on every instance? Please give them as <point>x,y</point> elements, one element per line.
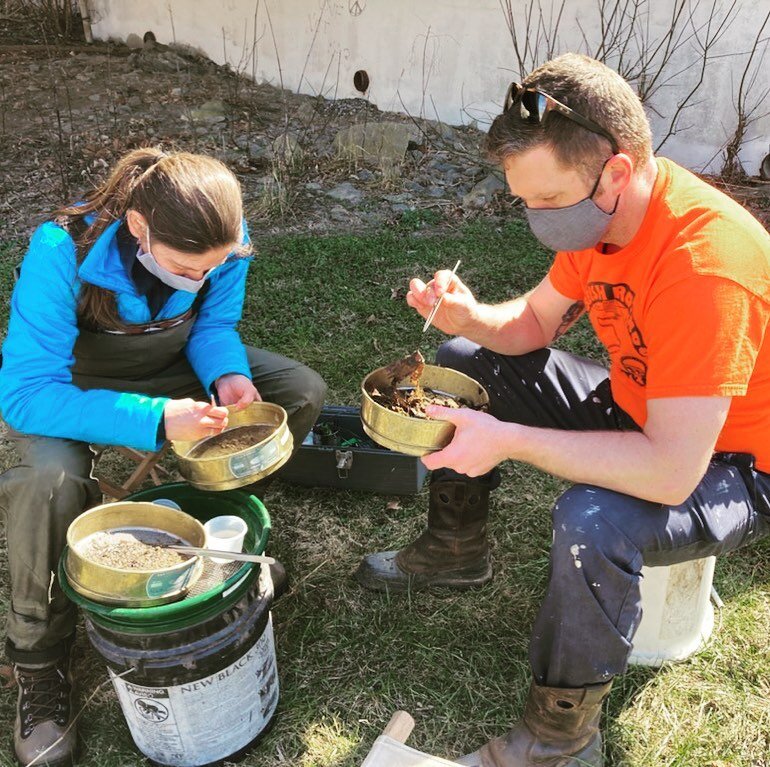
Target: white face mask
<point>176,281</point>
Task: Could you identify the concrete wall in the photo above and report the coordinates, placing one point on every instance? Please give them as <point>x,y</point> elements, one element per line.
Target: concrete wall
<point>453,59</point>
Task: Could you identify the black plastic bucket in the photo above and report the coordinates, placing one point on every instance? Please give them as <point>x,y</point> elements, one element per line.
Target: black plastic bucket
<point>196,679</point>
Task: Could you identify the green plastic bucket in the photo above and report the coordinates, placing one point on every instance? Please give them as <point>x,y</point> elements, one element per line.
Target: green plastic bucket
<point>192,609</point>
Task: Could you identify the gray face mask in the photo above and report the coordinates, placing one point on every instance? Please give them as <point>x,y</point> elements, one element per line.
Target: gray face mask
<point>575,227</point>
<point>176,281</point>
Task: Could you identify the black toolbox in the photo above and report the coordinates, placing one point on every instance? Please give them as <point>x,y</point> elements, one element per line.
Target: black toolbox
<point>339,453</point>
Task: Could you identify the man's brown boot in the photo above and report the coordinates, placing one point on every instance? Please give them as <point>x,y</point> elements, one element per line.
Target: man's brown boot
<point>453,551</point>
<point>45,711</point>
<point>560,728</point>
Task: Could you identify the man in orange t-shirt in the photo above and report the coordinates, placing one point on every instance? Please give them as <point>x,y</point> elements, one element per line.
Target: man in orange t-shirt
<point>669,450</point>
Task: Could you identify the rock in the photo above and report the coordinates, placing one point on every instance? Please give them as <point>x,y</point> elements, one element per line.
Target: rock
<point>340,215</point>
<point>259,151</point>
<point>150,60</point>
<point>483,192</point>
<point>265,182</point>
<point>373,217</point>
<point>134,42</point>
<point>382,142</point>
<point>346,192</point>
<point>305,112</point>
<point>209,112</point>
<point>365,175</point>
<point>416,155</point>
<point>443,167</point>
<point>286,147</point>
<point>436,191</point>
<point>313,186</point>
<point>447,132</point>
<point>396,198</point>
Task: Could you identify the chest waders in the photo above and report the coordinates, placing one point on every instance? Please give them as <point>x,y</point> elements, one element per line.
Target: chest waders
<point>43,494</point>
<point>53,482</point>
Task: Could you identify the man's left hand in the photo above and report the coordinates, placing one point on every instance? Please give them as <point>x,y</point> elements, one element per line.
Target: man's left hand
<point>236,390</point>
<point>478,445</point>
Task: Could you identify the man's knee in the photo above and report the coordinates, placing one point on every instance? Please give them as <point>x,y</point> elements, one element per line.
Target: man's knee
<point>457,353</point>
<point>582,527</point>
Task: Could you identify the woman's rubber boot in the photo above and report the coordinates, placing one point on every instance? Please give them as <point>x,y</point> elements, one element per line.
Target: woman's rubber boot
<point>453,551</point>
<point>560,728</point>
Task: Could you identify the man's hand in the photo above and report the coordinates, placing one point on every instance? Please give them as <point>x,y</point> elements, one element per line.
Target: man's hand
<point>186,419</point>
<point>458,309</point>
<point>478,444</point>
<point>236,390</point>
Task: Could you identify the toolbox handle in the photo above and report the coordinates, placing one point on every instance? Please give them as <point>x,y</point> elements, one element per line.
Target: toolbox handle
<point>344,460</point>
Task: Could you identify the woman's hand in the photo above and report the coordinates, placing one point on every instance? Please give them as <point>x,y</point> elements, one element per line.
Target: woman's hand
<point>458,309</point>
<point>186,419</point>
<point>236,390</point>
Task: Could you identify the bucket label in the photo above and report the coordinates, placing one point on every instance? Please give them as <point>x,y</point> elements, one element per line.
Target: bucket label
<point>206,719</point>
<point>164,583</point>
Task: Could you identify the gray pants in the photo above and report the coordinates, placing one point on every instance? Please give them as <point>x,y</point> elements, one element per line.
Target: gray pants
<point>53,484</point>
<point>584,630</point>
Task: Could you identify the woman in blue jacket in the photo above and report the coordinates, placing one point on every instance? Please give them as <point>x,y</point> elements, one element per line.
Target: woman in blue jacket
<point>123,324</point>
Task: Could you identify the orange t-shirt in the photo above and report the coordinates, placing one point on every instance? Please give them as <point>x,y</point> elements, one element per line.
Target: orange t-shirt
<point>684,308</point>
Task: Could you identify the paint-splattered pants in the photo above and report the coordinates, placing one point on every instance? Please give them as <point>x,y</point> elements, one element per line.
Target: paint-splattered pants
<point>601,538</point>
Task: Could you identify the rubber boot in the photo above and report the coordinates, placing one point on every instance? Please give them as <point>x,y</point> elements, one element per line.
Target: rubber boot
<point>560,728</point>
<point>44,732</point>
<point>453,551</point>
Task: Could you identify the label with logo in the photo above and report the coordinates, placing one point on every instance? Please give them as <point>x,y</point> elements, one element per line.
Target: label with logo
<point>206,719</point>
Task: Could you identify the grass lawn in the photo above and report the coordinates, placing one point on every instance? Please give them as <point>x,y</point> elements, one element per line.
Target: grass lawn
<point>456,661</point>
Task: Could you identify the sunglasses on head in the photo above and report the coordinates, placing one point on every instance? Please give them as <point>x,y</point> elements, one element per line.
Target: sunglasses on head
<point>534,105</point>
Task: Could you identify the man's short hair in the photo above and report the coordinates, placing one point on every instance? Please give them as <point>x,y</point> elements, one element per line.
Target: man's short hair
<point>596,92</point>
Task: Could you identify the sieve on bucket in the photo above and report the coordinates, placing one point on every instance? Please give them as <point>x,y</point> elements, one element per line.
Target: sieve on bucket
<point>120,583</point>
<point>215,587</point>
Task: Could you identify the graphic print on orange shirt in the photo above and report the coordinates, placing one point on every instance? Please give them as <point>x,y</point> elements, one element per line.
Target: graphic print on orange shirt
<point>611,310</point>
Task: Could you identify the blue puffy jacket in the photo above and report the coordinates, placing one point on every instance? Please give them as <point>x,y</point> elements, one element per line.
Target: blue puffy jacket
<point>37,395</point>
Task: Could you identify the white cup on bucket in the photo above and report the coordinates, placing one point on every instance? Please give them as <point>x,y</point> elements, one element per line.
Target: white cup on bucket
<point>225,533</point>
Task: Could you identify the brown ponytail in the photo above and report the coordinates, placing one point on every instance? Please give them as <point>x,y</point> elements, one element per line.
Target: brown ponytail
<point>191,203</point>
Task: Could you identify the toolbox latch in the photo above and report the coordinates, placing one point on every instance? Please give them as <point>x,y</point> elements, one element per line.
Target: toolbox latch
<point>344,462</point>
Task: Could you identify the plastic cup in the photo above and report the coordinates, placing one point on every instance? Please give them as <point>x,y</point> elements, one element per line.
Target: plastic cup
<point>225,533</point>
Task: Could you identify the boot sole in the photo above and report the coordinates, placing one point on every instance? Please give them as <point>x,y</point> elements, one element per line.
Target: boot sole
<point>459,581</point>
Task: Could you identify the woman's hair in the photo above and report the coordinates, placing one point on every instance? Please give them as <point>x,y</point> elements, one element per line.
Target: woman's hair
<point>191,203</point>
<point>596,92</point>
